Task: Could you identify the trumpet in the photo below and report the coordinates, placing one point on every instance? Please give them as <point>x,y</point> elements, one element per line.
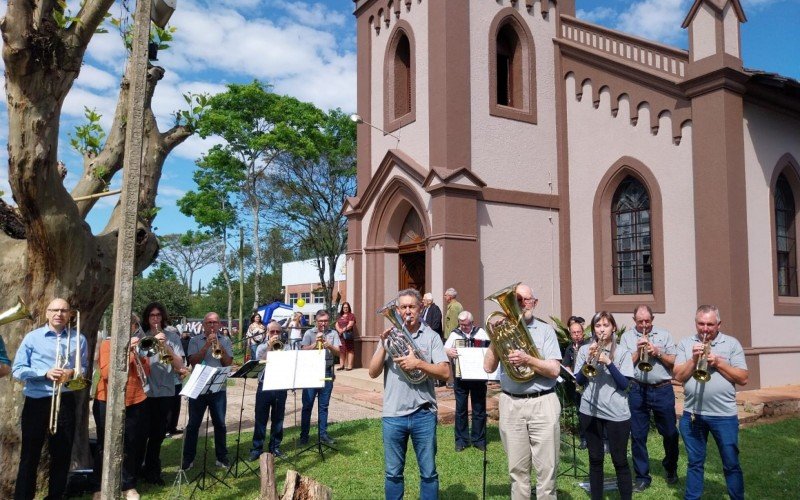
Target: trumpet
<point>644,363</point>
<point>589,370</point>
<point>216,350</point>
<point>275,344</point>
<point>701,372</point>
<point>78,381</point>
<point>399,342</point>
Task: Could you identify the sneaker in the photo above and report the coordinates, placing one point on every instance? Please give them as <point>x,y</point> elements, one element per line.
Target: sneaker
<point>327,439</point>
<point>672,477</point>
<point>640,486</point>
<point>303,441</point>
<point>175,432</point>
<point>255,455</point>
<point>461,447</point>
<point>223,464</point>
<point>278,453</point>
<point>186,465</point>
<point>481,447</point>
<point>582,446</point>
<point>131,494</point>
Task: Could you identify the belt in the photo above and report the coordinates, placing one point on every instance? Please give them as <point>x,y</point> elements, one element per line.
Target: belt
<point>530,395</point>
<point>654,386</point>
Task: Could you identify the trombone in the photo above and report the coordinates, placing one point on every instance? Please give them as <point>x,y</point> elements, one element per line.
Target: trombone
<point>55,399</point>
<point>78,381</point>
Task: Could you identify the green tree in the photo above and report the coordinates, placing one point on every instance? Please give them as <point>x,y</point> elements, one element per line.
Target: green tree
<point>309,192</point>
<point>188,252</point>
<point>259,129</point>
<point>161,285</point>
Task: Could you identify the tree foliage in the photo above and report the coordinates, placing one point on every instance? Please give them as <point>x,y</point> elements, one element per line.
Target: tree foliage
<point>187,253</point>
<point>161,285</point>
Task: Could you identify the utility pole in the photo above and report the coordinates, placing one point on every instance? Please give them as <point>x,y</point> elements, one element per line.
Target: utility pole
<point>241,284</point>
<point>126,253</point>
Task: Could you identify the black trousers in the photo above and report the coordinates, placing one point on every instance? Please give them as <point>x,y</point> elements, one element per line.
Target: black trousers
<point>618,434</point>
<point>34,423</point>
<point>135,421</point>
<point>156,429</point>
<point>174,410</point>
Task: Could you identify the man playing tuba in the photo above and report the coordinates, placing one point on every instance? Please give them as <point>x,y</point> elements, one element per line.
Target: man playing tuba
<point>533,402</point>
<point>409,409</point>
<point>44,361</point>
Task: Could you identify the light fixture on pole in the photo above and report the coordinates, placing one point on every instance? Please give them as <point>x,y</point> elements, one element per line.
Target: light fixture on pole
<point>357,118</point>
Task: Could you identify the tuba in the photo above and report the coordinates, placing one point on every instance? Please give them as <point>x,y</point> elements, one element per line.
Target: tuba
<point>510,334</point>
<point>399,341</point>
<point>19,311</point>
<point>701,372</point>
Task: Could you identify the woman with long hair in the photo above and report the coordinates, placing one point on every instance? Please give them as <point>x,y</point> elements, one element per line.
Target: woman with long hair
<point>256,333</point>
<point>295,326</point>
<point>345,325</point>
<point>163,396</point>
<point>604,404</point>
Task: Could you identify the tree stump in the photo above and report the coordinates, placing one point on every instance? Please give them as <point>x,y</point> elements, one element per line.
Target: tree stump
<point>296,487</point>
<point>269,490</point>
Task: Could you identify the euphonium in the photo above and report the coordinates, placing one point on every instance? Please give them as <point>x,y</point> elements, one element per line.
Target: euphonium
<point>701,373</point>
<point>510,334</point>
<point>590,368</point>
<point>644,363</point>
<point>78,382</point>
<point>19,311</point>
<point>400,341</point>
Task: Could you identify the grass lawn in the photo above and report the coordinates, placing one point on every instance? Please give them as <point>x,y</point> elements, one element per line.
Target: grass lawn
<point>769,455</point>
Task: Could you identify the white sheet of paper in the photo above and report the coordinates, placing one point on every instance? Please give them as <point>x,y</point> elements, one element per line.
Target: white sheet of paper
<point>294,370</point>
<point>198,380</point>
<point>471,361</point>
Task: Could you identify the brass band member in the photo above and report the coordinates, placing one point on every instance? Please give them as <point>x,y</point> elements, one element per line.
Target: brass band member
<point>533,402</point>
<point>409,410</point>
<point>45,360</point>
<point>710,406</point>
<point>5,363</point>
<point>162,385</point>
<point>604,405</point>
<point>468,335</point>
<point>135,412</point>
<point>321,335</point>
<point>269,403</point>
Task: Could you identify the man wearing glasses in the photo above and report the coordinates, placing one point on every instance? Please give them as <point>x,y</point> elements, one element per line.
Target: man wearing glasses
<point>529,411</point>
<point>329,339</point>
<point>46,356</point>
<point>269,402</point>
<point>200,352</point>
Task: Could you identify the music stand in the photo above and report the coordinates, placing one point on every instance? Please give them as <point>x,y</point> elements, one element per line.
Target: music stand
<point>251,369</point>
<point>297,369</point>
<point>180,477</point>
<point>570,416</point>
<point>470,367</point>
<point>203,381</point>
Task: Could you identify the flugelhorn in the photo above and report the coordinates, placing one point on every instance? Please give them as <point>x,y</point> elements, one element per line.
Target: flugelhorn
<point>644,363</point>
<point>19,311</point>
<point>701,373</point>
<point>78,381</point>
<point>590,368</point>
<point>275,343</point>
<point>510,333</point>
<point>399,342</point>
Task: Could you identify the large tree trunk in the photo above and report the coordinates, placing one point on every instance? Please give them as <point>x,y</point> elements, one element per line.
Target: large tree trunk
<point>60,256</point>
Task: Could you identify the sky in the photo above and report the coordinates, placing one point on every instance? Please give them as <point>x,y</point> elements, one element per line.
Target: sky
<point>307,49</point>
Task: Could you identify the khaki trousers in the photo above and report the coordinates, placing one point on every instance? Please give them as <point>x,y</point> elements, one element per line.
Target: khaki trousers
<point>531,432</point>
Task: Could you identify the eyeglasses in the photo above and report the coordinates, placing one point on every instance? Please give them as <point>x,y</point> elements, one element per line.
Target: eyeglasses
<point>274,331</point>
<point>62,311</point>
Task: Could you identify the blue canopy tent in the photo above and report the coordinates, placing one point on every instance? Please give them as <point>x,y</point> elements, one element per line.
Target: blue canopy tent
<point>278,311</point>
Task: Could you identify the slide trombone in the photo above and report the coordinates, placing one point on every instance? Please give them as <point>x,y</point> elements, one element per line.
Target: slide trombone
<point>55,399</point>
<point>78,382</point>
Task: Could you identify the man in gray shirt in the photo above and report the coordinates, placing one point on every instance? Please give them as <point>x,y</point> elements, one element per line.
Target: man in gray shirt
<point>710,406</point>
<point>534,402</point>
<point>320,336</point>
<point>651,391</point>
<point>409,410</point>
<point>201,351</point>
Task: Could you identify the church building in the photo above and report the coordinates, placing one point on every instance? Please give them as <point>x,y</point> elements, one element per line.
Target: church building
<point>508,140</point>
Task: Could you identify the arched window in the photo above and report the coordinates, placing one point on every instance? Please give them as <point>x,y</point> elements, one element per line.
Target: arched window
<point>509,68</point>
<point>402,77</point>
<point>785,238</point>
<point>399,73</point>
<point>631,242</point>
<point>512,67</point>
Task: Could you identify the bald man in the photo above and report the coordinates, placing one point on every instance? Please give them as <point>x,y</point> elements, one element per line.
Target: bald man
<point>45,356</point>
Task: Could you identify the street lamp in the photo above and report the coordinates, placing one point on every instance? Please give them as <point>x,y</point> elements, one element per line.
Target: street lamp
<point>357,119</point>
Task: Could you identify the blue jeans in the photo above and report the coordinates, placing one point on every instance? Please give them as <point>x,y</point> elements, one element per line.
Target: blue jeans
<point>421,426</point>
<point>269,402</point>
<point>322,412</point>
<point>216,403</point>
<point>253,349</point>
<point>725,431</point>
<point>476,391</point>
<point>642,400</point>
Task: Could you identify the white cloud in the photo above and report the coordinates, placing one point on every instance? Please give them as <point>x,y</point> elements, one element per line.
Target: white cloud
<point>655,19</point>
<point>316,14</point>
<point>194,147</point>
<point>169,192</point>
<point>597,15</point>
<point>92,77</point>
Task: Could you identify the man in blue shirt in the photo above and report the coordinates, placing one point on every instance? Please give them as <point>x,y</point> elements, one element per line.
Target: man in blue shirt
<point>45,360</point>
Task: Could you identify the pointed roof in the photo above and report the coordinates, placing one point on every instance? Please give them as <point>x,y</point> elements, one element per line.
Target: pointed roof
<point>718,5</point>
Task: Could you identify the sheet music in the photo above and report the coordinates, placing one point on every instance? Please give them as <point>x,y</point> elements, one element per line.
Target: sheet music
<point>471,361</point>
<point>294,370</point>
<point>199,378</point>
